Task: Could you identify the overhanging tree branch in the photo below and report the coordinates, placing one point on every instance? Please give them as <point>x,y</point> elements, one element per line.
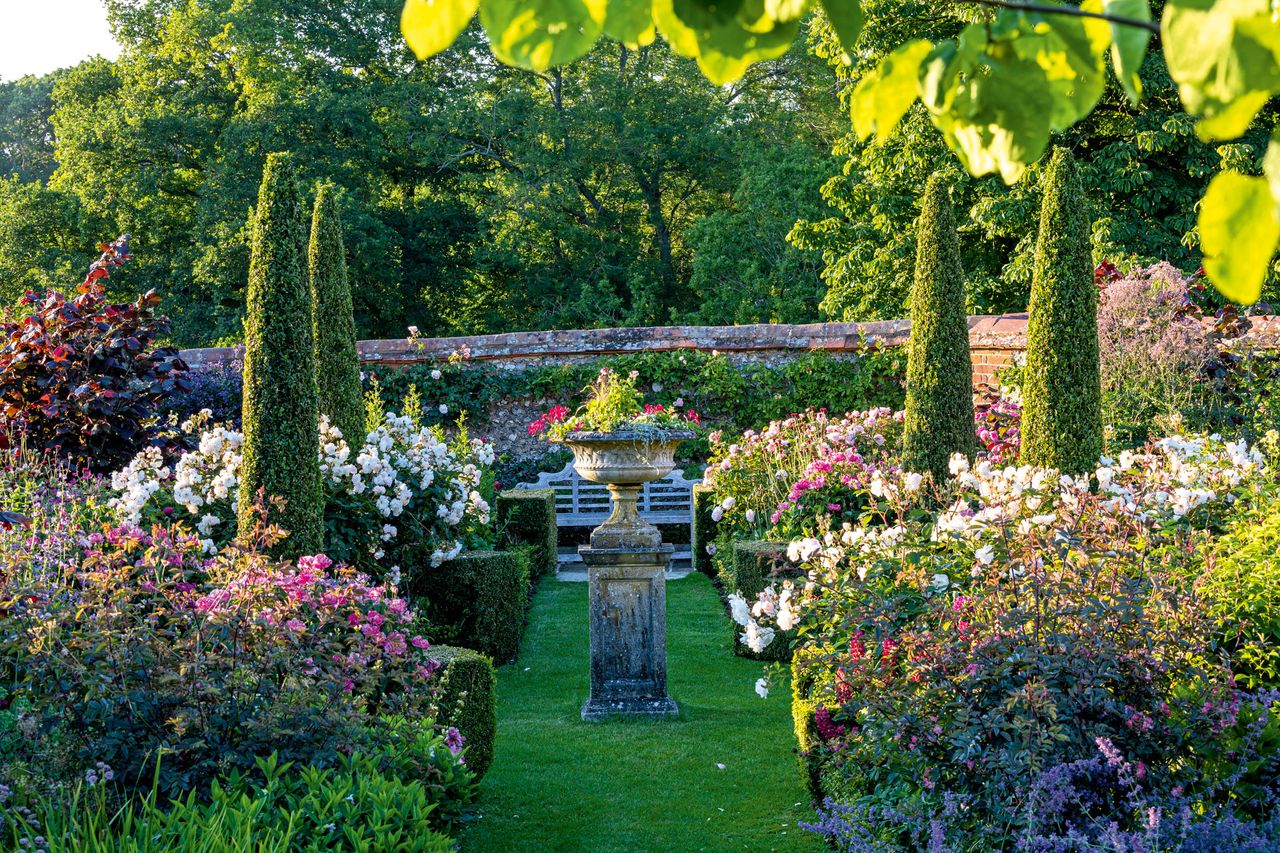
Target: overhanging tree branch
<point>1122,20</point>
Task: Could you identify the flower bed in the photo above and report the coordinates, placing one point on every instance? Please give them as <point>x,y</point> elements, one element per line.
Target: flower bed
<point>1020,660</point>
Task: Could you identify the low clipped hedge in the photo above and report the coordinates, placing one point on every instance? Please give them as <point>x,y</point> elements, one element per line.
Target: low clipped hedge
<point>704,530</point>
<point>803,706</point>
<point>528,517</point>
<point>748,568</point>
<point>469,702</point>
<point>477,601</point>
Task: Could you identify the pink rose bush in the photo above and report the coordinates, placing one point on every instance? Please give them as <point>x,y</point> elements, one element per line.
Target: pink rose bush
<point>794,468</point>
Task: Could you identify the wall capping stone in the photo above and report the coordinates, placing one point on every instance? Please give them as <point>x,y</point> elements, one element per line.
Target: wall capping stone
<point>994,340</point>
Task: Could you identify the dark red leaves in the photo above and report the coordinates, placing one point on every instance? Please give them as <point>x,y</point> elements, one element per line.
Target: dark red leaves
<point>84,376</point>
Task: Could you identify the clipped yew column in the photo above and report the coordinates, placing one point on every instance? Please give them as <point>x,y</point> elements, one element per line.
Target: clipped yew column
<point>626,571</point>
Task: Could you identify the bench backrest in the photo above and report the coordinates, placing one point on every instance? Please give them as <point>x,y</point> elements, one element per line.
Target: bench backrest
<point>581,502</point>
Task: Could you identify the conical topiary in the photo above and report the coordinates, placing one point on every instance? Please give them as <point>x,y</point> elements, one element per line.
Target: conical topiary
<point>939,405</point>
<point>337,361</point>
<point>1062,385</point>
<point>281,431</point>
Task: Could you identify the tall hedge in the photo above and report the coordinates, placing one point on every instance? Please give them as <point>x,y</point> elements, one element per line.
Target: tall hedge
<point>334,326</point>
<point>279,410</point>
<point>939,407</point>
<point>1062,384</point>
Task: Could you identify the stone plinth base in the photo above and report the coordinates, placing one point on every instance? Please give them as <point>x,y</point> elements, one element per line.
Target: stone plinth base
<point>628,620</point>
<point>597,709</point>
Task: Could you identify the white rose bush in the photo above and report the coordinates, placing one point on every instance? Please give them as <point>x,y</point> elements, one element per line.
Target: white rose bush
<point>406,496</point>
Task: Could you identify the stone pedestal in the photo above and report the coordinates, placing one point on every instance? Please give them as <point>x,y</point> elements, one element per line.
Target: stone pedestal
<point>628,603</point>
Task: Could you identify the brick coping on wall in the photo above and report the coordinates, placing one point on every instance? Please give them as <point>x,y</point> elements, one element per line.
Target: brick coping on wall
<point>836,337</point>
<point>1002,336</point>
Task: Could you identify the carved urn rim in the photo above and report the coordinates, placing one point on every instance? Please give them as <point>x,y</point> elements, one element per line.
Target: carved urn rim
<point>651,435</point>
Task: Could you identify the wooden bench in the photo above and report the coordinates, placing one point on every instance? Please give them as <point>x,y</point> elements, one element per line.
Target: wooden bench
<point>582,503</point>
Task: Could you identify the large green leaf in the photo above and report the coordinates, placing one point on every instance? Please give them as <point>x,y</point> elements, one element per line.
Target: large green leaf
<point>430,26</point>
<point>539,34</point>
<point>847,18</point>
<point>630,22</point>
<point>884,96</point>
<point>723,46</point>
<point>999,90</point>
<point>1271,168</point>
<point>1239,231</point>
<point>1225,58</point>
<point>1069,58</point>
<point>1127,44</point>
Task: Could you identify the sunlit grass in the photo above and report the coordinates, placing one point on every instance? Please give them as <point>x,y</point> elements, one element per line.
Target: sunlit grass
<point>559,784</point>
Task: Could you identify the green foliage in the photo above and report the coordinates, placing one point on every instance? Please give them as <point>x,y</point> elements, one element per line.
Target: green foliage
<point>528,517</point>
<point>704,544</point>
<point>1062,396</point>
<point>750,566</point>
<point>468,701</point>
<point>744,270</point>
<point>939,406</point>
<point>337,362</point>
<point>43,240</point>
<point>474,198</point>
<point>476,600</point>
<point>1242,591</point>
<point>734,396</point>
<point>1143,169</point>
<point>278,808</point>
<point>280,411</point>
<point>26,137</point>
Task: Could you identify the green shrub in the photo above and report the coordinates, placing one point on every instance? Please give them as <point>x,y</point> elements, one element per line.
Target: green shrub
<point>803,680</point>
<point>939,407</point>
<point>278,808</point>
<point>702,549</point>
<point>423,750</point>
<point>749,566</point>
<point>334,326</point>
<point>281,451</point>
<point>477,601</point>
<point>1242,591</point>
<point>528,517</point>
<point>1062,388</point>
<point>468,701</point>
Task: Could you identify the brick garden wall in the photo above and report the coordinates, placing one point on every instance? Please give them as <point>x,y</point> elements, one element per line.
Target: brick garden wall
<point>994,342</point>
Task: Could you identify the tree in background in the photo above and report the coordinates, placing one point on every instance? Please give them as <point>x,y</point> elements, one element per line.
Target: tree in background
<point>337,360</point>
<point>475,197</point>
<point>939,407</point>
<point>281,451</point>
<point>1062,384</point>
<point>26,136</point>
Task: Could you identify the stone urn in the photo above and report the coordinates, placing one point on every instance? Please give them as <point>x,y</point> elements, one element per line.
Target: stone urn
<point>626,573</point>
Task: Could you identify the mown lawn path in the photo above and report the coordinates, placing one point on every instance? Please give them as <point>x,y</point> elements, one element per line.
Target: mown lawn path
<point>559,784</point>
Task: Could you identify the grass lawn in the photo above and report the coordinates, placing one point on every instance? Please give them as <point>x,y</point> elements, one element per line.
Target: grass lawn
<point>559,784</point>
